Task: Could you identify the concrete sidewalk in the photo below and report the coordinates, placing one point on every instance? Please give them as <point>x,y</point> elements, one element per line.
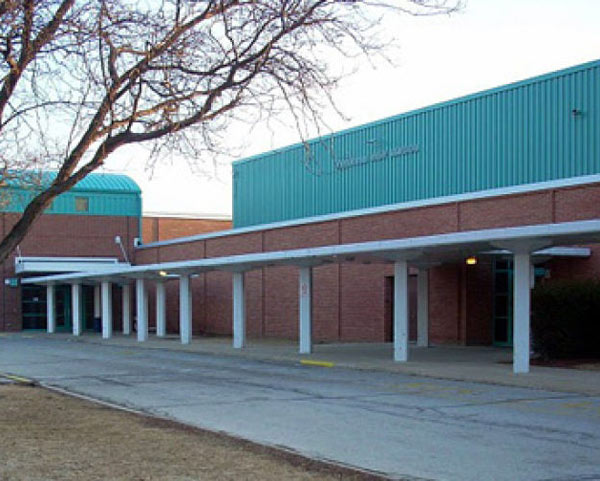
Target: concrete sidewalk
<point>490,365</point>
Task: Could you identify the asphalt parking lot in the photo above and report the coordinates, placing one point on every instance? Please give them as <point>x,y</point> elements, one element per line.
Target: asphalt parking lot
<point>405,426</point>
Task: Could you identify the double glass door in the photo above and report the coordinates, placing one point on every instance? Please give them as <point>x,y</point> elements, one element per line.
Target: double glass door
<point>34,307</point>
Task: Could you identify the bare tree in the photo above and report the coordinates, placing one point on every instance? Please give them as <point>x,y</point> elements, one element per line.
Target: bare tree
<point>80,79</point>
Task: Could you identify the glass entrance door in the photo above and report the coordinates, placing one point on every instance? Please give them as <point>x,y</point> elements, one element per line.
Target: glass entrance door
<point>87,307</point>
<point>64,318</point>
<point>33,305</point>
<point>503,302</point>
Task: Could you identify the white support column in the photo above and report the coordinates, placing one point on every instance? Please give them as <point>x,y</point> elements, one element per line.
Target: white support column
<point>305,304</point>
<point>239,311</point>
<point>185,309</point>
<point>76,308</point>
<point>423,308</point>
<point>141,299</point>
<point>96,301</point>
<point>400,311</point>
<point>161,309</point>
<point>521,312</point>
<point>126,291</point>
<point>50,310</point>
<point>106,310</point>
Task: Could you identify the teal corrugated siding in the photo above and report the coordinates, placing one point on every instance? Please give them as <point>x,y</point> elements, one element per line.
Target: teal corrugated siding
<point>107,194</point>
<point>521,133</point>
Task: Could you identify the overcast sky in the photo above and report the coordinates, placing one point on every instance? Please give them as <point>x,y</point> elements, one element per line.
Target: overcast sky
<point>489,43</point>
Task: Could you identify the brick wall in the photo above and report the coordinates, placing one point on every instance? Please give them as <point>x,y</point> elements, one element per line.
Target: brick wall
<point>349,300</point>
<point>479,289</point>
<point>155,229</point>
<point>66,236</point>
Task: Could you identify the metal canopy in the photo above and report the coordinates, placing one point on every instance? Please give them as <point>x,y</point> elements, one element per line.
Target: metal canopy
<point>29,265</point>
<point>442,248</point>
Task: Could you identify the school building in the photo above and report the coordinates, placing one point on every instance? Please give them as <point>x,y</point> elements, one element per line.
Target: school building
<point>431,226</point>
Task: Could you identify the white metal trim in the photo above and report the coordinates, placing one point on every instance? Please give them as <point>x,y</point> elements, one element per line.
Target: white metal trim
<point>25,265</point>
<point>105,260</point>
<point>550,251</point>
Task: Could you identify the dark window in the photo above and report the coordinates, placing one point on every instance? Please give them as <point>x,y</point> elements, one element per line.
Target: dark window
<point>501,264</point>
<point>501,307</point>
<point>501,331</point>
<point>502,283</point>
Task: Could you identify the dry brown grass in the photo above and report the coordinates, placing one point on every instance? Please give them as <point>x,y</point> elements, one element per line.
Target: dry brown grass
<point>48,436</point>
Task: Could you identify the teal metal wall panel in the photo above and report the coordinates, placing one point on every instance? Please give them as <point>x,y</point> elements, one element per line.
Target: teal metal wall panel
<point>107,194</point>
<point>517,134</point>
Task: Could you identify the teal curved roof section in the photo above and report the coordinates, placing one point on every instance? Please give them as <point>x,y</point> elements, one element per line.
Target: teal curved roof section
<point>536,130</point>
<point>98,194</point>
<point>94,182</point>
<point>107,183</point>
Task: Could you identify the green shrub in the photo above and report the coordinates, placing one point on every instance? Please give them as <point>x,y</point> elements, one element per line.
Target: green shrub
<point>565,319</point>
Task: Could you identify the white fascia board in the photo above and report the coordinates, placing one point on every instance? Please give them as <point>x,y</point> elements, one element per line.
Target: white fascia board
<point>551,251</point>
<point>565,252</point>
<point>483,194</point>
<point>96,260</point>
<point>579,232</point>
<point>28,265</point>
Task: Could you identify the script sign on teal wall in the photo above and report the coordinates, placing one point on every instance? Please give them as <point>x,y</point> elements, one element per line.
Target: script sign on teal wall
<point>541,129</point>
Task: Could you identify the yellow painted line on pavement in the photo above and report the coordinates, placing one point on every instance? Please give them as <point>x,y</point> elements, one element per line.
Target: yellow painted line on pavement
<point>309,362</point>
<point>578,405</point>
<point>19,379</point>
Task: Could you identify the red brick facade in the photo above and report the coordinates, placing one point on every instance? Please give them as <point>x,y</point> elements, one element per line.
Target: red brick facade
<point>349,301</point>
<point>156,229</point>
<point>65,236</point>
